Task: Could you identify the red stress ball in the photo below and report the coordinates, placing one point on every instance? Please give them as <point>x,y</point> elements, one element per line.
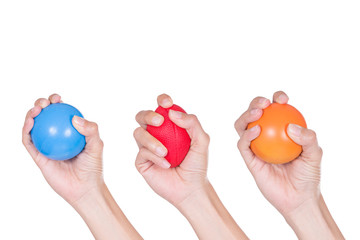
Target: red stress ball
<point>273,145</point>
<point>173,137</point>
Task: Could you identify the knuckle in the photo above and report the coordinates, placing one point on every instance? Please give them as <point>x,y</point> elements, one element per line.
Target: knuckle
<point>141,152</point>
<point>239,143</point>
<point>94,127</point>
<point>193,118</point>
<point>321,152</point>
<point>101,143</point>
<point>137,116</point>
<point>137,165</point>
<point>236,123</point>
<point>137,132</point>
<point>206,138</point>
<point>311,135</point>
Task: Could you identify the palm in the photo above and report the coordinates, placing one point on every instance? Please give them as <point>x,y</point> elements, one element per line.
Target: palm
<point>175,184</point>
<point>286,186</point>
<point>69,177</point>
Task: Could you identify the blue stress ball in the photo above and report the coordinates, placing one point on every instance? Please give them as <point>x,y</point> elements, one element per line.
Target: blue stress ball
<point>53,133</point>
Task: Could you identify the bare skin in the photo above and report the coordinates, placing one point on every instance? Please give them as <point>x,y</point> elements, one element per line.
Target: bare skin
<point>186,186</point>
<point>80,180</point>
<point>292,188</point>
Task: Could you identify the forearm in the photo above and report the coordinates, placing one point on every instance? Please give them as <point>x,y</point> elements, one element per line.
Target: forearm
<point>313,220</point>
<point>103,216</point>
<point>209,217</point>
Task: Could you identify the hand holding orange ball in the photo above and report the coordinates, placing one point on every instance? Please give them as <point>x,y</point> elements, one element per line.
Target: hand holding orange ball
<point>286,185</point>
<point>276,133</point>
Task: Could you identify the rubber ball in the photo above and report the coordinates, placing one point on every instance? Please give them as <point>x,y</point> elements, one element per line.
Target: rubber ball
<point>273,145</point>
<point>173,137</point>
<point>53,133</point>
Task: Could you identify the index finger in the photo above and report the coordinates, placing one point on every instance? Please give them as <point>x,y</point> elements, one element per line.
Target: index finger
<point>149,117</point>
<point>280,97</point>
<point>164,100</point>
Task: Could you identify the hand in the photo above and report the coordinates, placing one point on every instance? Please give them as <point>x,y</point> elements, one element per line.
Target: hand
<point>173,184</point>
<point>73,178</point>
<point>292,188</point>
<point>80,181</point>
<point>286,186</point>
<point>185,186</point>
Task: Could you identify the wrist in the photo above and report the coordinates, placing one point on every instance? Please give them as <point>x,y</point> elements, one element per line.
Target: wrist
<point>95,195</point>
<point>208,216</point>
<point>96,192</point>
<point>312,220</point>
<point>103,216</point>
<point>196,196</point>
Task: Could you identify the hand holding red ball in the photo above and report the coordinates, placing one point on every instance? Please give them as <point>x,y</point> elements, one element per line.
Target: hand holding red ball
<point>177,183</point>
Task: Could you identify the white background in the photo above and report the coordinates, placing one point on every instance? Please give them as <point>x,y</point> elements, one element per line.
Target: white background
<point>111,59</point>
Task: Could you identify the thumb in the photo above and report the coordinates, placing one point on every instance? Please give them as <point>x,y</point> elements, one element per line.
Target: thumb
<point>91,132</point>
<point>199,138</point>
<point>308,140</point>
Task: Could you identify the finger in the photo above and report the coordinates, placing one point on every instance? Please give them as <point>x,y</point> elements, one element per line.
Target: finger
<point>253,113</point>
<point>142,164</point>
<point>280,97</point>
<point>32,113</point>
<point>42,102</point>
<point>246,118</point>
<point>26,138</point>
<point>307,139</point>
<point>38,158</point>
<point>253,163</point>
<point>28,125</point>
<point>55,98</point>
<point>164,101</point>
<point>146,155</point>
<point>259,102</point>
<point>90,130</point>
<point>145,140</point>
<point>149,117</point>
<point>199,138</point>
<point>245,141</point>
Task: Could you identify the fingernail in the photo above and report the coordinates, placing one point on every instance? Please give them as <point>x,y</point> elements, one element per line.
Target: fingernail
<point>160,151</point>
<point>263,100</point>
<point>295,129</point>
<point>156,120</point>
<point>42,103</point>
<point>254,111</point>
<point>176,114</point>
<point>166,102</point>
<point>282,97</point>
<point>254,128</point>
<point>79,120</point>
<point>165,164</point>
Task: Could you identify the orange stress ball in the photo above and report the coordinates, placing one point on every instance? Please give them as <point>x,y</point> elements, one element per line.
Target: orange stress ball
<point>273,145</point>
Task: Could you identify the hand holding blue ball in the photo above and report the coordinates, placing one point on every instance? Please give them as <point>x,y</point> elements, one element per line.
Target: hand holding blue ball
<point>53,133</point>
<point>53,130</point>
